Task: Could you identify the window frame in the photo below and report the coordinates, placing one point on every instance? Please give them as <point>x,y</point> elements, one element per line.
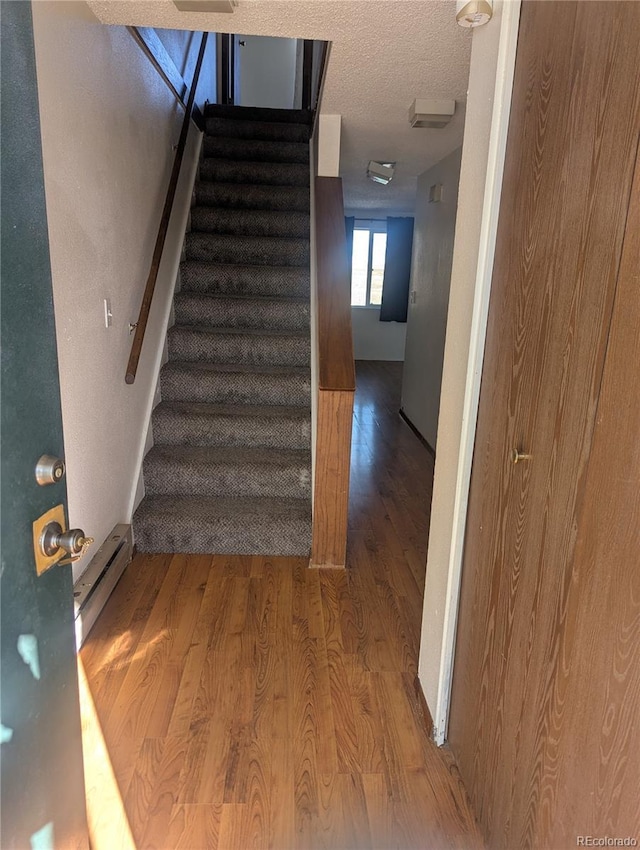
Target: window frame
<point>373,225</point>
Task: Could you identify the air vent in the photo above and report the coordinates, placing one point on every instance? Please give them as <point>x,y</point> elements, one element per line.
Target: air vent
<point>205,5</point>
<point>435,193</point>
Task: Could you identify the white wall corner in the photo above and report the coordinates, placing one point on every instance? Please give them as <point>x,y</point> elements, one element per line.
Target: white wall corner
<point>487,118</point>
<point>329,129</point>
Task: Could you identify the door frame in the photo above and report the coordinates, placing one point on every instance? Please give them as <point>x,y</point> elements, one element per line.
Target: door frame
<point>437,678</point>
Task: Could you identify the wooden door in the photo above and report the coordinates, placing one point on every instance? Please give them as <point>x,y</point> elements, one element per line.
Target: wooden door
<point>572,143</point>
<point>43,802</point>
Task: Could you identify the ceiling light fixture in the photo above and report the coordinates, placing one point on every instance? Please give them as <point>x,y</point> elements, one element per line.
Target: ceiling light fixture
<point>473,13</point>
<point>425,112</point>
<point>205,5</point>
<point>380,172</point>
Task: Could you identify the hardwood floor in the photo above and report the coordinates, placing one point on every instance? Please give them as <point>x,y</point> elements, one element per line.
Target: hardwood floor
<point>250,702</point>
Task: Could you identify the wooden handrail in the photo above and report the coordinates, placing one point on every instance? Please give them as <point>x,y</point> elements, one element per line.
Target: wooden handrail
<point>316,95</point>
<point>307,74</point>
<point>143,317</point>
<point>335,343</point>
<point>337,380</point>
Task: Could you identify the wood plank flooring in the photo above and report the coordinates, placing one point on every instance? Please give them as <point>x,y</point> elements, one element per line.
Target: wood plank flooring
<point>252,702</point>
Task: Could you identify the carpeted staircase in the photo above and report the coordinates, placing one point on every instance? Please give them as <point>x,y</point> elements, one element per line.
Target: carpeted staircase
<point>230,468</point>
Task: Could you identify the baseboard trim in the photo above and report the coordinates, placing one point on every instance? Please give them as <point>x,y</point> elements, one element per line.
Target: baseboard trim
<point>95,585</point>
<point>424,708</point>
<point>431,450</point>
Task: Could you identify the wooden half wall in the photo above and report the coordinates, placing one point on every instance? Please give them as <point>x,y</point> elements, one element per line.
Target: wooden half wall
<point>337,383</point>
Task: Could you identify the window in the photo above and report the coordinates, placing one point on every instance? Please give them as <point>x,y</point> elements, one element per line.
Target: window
<point>367,263</point>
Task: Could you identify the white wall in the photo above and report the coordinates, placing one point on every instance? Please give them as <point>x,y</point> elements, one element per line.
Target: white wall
<point>108,126</point>
<point>429,295</point>
<point>440,598</point>
<point>267,71</point>
<point>179,44</point>
<point>329,134</point>
<point>183,47</point>
<point>376,340</point>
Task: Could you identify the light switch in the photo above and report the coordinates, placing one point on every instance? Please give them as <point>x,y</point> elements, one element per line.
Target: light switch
<point>108,315</point>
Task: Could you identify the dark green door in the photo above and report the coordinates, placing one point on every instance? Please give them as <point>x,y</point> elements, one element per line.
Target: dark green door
<point>43,802</point>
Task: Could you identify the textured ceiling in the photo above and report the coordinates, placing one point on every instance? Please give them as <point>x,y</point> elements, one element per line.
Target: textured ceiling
<point>384,54</point>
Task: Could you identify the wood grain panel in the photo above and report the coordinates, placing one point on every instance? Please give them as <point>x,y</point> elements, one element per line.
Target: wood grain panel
<point>280,734</point>
<point>331,488</point>
<point>570,155</point>
<point>335,343</point>
<point>597,676</point>
<point>336,378</point>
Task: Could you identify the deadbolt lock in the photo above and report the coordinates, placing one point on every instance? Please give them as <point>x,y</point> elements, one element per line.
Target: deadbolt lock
<point>53,542</point>
<point>49,470</point>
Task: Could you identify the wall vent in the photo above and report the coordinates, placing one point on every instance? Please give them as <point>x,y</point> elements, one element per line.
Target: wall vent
<point>205,5</point>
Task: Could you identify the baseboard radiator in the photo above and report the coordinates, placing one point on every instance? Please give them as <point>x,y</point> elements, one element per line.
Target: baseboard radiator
<point>95,585</point>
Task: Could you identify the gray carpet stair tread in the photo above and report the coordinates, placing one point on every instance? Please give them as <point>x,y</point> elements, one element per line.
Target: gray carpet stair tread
<point>251,250</point>
<point>256,150</point>
<point>225,526</point>
<point>200,424</point>
<point>225,345</point>
<point>235,384</point>
<point>233,279</point>
<point>250,411</point>
<point>258,113</point>
<point>250,222</point>
<point>238,128</point>
<point>255,332</point>
<point>197,308</point>
<point>231,371</point>
<point>227,471</point>
<point>248,196</point>
<point>258,173</point>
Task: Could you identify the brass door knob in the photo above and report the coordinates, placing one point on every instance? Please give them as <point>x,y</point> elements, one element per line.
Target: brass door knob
<point>73,542</point>
<point>517,456</point>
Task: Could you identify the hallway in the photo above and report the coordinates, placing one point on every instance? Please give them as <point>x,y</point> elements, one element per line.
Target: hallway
<point>252,702</point>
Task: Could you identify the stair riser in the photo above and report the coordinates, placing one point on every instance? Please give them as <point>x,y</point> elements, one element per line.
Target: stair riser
<point>290,540</point>
<point>256,150</point>
<point>192,309</point>
<point>247,197</point>
<point>257,173</point>
<point>266,281</point>
<point>191,346</point>
<point>247,250</point>
<point>255,481</point>
<point>241,389</point>
<point>250,222</point>
<point>277,433</point>
<point>277,131</point>
<point>258,113</point>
